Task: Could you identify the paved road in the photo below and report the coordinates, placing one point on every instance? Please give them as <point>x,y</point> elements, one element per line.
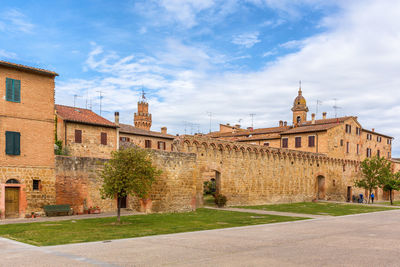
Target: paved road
<point>357,240</point>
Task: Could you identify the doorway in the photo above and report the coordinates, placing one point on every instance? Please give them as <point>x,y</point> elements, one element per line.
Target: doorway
<point>12,202</point>
<point>348,194</point>
<point>321,187</point>
<point>123,202</point>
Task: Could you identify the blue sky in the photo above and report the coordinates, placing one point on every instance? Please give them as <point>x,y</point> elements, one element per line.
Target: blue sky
<point>231,58</point>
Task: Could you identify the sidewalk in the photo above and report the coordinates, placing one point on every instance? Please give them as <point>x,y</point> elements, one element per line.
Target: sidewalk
<point>66,218</point>
<point>270,212</point>
<point>376,204</point>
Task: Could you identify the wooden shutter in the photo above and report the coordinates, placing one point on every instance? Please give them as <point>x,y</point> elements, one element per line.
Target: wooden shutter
<point>9,143</point>
<point>298,141</point>
<point>284,142</point>
<point>158,145</point>
<point>78,136</point>
<point>103,137</point>
<point>9,89</point>
<point>311,141</point>
<point>17,90</point>
<point>17,144</point>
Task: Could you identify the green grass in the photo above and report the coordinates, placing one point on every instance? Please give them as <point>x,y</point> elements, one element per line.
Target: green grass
<point>65,232</point>
<point>320,208</point>
<point>209,200</point>
<point>395,203</point>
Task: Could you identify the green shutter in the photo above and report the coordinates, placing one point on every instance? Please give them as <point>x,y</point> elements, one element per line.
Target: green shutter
<point>9,89</point>
<point>17,91</point>
<point>9,143</point>
<point>17,143</point>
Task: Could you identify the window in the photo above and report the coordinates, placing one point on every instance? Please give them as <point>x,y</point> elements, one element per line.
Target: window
<point>341,142</point>
<point>347,147</point>
<point>13,90</point>
<point>78,136</point>
<point>334,182</point>
<point>348,128</point>
<point>388,155</point>
<point>285,143</point>
<point>389,141</point>
<point>147,143</point>
<point>378,153</point>
<point>297,142</point>
<point>103,138</point>
<point>368,152</point>
<point>36,185</point>
<point>13,143</point>
<point>369,136</point>
<point>379,139</point>
<point>358,149</point>
<point>125,139</point>
<point>358,131</point>
<point>311,141</point>
<point>266,144</point>
<point>161,145</point>
<point>298,119</point>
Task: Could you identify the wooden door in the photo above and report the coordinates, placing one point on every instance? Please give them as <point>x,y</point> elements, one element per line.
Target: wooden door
<point>12,202</point>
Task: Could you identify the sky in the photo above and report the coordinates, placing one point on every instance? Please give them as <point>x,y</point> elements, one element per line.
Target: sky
<point>211,59</point>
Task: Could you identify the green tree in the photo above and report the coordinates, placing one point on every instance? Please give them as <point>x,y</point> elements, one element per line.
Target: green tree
<point>390,183</point>
<point>129,172</point>
<point>374,170</point>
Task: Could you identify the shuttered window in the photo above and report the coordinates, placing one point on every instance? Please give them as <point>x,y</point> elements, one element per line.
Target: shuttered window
<point>13,90</point>
<point>298,141</point>
<point>103,138</point>
<point>347,147</point>
<point>284,143</point>
<point>78,136</point>
<point>161,145</point>
<point>311,141</point>
<point>147,143</point>
<point>13,143</point>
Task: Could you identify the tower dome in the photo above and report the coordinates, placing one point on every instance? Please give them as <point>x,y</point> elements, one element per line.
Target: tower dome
<point>299,108</point>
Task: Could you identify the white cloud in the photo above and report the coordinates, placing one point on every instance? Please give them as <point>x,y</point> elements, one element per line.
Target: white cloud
<point>247,39</point>
<point>15,21</point>
<point>7,54</point>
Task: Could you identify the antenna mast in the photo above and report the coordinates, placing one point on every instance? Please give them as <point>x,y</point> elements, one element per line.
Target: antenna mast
<point>75,97</point>
<point>101,97</point>
<point>252,119</point>
<point>210,115</point>
<point>336,107</point>
<point>319,103</point>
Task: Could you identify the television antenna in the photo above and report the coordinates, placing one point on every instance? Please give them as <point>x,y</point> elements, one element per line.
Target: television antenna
<point>319,103</point>
<point>252,119</point>
<point>336,107</point>
<point>210,115</point>
<point>75,97</point>
<point>100,97</point>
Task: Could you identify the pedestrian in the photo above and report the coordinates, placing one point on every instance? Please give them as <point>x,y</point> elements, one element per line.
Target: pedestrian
<point>372,197</point>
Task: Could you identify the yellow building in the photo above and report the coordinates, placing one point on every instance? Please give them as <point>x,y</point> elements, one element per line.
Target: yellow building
<point>342,137</point>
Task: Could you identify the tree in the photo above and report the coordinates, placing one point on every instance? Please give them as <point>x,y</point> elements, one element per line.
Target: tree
<point>128,172</point>
<point>390,183</point>
<point>374,170</point>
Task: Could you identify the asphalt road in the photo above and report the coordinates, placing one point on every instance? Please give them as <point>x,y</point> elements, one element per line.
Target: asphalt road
<point>357,240</point>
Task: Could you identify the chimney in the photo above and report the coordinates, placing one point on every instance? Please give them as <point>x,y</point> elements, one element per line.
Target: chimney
<point>280,123</point>
<point>324,115</point>
<point>237,126</point>
<point>285,123</point>
<point>250,128</point>
<point>116,118</point>
<point>313,118</point>
<point>164,130</point>
<point>373,129</point>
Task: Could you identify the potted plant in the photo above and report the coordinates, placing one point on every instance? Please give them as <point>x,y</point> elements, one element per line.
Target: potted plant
<point>94,210</point>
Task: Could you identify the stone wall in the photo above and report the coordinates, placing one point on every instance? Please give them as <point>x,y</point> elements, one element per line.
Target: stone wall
<point>78,183</point>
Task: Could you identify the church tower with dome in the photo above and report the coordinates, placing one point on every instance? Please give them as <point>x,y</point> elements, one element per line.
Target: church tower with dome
<point>299,109</point>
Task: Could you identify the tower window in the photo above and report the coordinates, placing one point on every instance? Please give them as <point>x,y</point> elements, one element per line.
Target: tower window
<point>298,119</point>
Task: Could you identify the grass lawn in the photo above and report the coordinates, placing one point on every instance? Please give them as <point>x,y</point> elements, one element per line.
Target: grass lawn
<point>395,203</point>
<point>209,200</point>
<point>65,232</point>
<point>319,208</point>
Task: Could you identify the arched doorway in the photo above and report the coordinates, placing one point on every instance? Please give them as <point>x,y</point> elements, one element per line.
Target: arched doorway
<point>321,187</point>
<point>211,186</point>
<point>11,198</point>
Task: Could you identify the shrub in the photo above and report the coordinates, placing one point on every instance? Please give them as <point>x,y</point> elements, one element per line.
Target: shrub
<point>220,200</point>
<point>209,187</point>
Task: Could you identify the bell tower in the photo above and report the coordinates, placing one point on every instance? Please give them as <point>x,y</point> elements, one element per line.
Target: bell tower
<point>142,118</point>
<point>299,108</point>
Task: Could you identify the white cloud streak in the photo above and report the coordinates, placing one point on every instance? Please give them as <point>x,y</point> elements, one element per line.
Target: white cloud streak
<point>247,39</point>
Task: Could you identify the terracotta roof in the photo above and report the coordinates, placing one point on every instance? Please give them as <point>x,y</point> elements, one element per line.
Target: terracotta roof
<point>27,68</point>
<point>81,115</point>
<point>260,137</point>
<point>327,121</point>
<point>253,132</point>
<point>311,128</point>
<point>373,132</point>
<point>126,128</point>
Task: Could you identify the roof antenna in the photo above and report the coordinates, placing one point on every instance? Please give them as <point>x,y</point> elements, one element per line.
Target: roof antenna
<point>75,97</point>
<point>336,107</point>
<point>319,103</point>
<point>101,97</point>
<point>252,119</point>
<point>210,115</point>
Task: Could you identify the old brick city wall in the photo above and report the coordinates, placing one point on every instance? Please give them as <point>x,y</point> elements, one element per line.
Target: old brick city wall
<point>78,183</point>
<point>251,174</point>
<point>246,174</point>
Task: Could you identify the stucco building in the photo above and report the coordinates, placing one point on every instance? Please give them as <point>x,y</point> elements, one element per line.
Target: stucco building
<point>27,178</point>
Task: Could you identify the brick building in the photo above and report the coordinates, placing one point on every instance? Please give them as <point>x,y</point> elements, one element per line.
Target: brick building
<point>84,133</point>
<point>27,178</point>
<point>342,138</point>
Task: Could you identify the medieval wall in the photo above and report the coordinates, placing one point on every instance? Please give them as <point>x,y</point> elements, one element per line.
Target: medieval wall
<point>250,174</point>
<point>78,183</point>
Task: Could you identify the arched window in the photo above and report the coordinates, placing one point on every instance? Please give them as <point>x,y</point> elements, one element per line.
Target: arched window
<point>12,181</point>
<point>298,119</point>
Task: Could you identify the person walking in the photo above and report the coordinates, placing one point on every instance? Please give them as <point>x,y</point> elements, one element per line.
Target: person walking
<point>372,197</point>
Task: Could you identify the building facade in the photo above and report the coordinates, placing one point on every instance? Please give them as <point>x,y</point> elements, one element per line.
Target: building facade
<point>27,178</point>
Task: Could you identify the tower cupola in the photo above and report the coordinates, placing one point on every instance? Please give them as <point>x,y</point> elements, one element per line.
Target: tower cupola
<point>299,108</point>
<point>142,118</point>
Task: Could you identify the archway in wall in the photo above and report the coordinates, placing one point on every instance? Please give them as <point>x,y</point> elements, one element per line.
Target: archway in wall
<point>321,187</point>
<point>211,186</point>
